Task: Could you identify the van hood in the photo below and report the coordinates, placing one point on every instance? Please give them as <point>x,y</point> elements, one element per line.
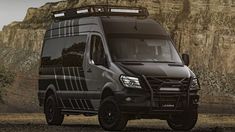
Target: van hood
<point>156,69</point>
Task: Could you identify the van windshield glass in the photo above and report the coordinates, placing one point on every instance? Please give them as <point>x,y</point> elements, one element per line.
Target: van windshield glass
<point>143,50</point>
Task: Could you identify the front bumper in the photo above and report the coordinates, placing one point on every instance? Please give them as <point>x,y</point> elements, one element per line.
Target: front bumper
<point>139,102</point>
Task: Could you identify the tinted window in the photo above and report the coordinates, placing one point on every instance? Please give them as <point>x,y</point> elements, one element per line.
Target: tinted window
<point>52,52</point>
<point>97,50</point>
<point>73,52</point>
<point>68,51</point>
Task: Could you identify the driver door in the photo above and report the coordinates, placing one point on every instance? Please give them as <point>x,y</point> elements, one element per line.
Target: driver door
<point>95,67</point>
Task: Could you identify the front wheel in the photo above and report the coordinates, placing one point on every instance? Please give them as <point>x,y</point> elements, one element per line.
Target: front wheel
<point>52,113</point>
<point>110,116</point>
<point>183,122</point>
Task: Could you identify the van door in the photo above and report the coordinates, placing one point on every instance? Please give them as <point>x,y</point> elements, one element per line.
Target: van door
<point>95,66</point>
<point>74,82</point>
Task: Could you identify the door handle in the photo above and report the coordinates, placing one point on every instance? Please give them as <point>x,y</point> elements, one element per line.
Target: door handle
<point>89,70</point>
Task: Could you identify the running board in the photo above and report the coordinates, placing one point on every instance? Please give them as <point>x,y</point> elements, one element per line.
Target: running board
<point>78,112</point>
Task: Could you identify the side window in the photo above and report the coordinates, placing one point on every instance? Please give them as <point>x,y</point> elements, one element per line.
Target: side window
<point>73,52</point>
<point>52,52</point>
<point>97,54</point>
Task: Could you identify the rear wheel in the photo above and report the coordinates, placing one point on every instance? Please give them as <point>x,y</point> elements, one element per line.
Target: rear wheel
<point>110,116</point>
<point>52,113</point>
<point>184,122</point>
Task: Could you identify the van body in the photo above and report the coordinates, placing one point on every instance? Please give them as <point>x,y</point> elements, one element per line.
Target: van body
<point>118,67</point>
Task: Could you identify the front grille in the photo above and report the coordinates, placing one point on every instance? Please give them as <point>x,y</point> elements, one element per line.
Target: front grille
<point>158,82</point>
<point>176,102</point>
<point>170,99</point>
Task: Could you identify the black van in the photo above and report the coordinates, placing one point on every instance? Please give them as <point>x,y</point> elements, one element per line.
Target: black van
<point>115,62</point>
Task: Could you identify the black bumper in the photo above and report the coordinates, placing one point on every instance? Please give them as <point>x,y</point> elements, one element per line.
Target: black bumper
<point>135,101</point>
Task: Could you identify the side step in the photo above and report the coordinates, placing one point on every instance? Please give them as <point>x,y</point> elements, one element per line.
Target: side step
<point>78,112</point>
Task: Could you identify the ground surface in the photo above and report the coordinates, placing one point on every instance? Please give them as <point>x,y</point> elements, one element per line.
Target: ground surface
<point>36,123</point>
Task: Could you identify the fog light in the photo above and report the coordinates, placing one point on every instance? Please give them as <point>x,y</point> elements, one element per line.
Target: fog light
<point>128,99</point>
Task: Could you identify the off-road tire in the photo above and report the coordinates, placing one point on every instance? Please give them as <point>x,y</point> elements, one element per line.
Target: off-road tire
<point>110,116</point>
<point>183,122</point>
<point>52,113</point>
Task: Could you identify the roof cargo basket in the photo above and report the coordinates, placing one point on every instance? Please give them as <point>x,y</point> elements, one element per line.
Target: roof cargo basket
<point>100,10</point>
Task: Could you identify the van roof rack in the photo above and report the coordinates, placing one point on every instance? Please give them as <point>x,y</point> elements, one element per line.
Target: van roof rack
<point>99,10</point>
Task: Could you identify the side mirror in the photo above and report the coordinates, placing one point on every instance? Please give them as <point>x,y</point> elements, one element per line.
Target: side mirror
<point>185,58</point>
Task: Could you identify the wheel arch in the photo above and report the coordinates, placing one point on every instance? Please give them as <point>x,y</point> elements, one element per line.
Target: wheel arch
<point>106,93</point>
<point>51,90</point>
<point>108,90</point>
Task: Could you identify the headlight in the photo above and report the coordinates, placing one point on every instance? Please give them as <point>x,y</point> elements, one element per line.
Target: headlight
<point>130,82</point>
<point>194,84</point>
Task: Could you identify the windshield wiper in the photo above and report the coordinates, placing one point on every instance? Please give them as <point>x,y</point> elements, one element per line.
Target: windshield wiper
<point>170,63</point>
<point>153,60</point>
<point>132,63</point>
<point>124,61</point>
<point>164,62</point>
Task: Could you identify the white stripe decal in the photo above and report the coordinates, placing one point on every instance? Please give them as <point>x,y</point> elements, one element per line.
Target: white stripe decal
<point>79,79</point>
<point>70,79</point>
<point>75,80</point>
<point>69,27</point>
<point>76,103</point>
<point>65,23</point>
<point>64,78</point>
<point>58,88</point>
<point>66,85</point>
<point>81,86</point>
<point>77,88</point>
<point>72,85</point>
<point>59,29</point>
<point>71,104</point>
<point>58,77</point>
<point>73,27</point>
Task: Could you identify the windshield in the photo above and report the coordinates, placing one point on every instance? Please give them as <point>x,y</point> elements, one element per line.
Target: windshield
<point>143,50</point>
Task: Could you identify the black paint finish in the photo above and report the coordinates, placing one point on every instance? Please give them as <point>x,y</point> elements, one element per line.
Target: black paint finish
<point>69,70</point>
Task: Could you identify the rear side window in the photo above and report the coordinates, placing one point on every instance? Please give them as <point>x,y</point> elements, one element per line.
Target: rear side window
<point>73,52</point>
<point>52,52</point>
<point>68,51</point>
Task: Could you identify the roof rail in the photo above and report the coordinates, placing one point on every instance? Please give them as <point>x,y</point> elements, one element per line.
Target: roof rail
<point>99,10</point>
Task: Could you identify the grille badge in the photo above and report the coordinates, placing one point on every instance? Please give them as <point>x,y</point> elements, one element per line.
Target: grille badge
<point>168,105</point>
